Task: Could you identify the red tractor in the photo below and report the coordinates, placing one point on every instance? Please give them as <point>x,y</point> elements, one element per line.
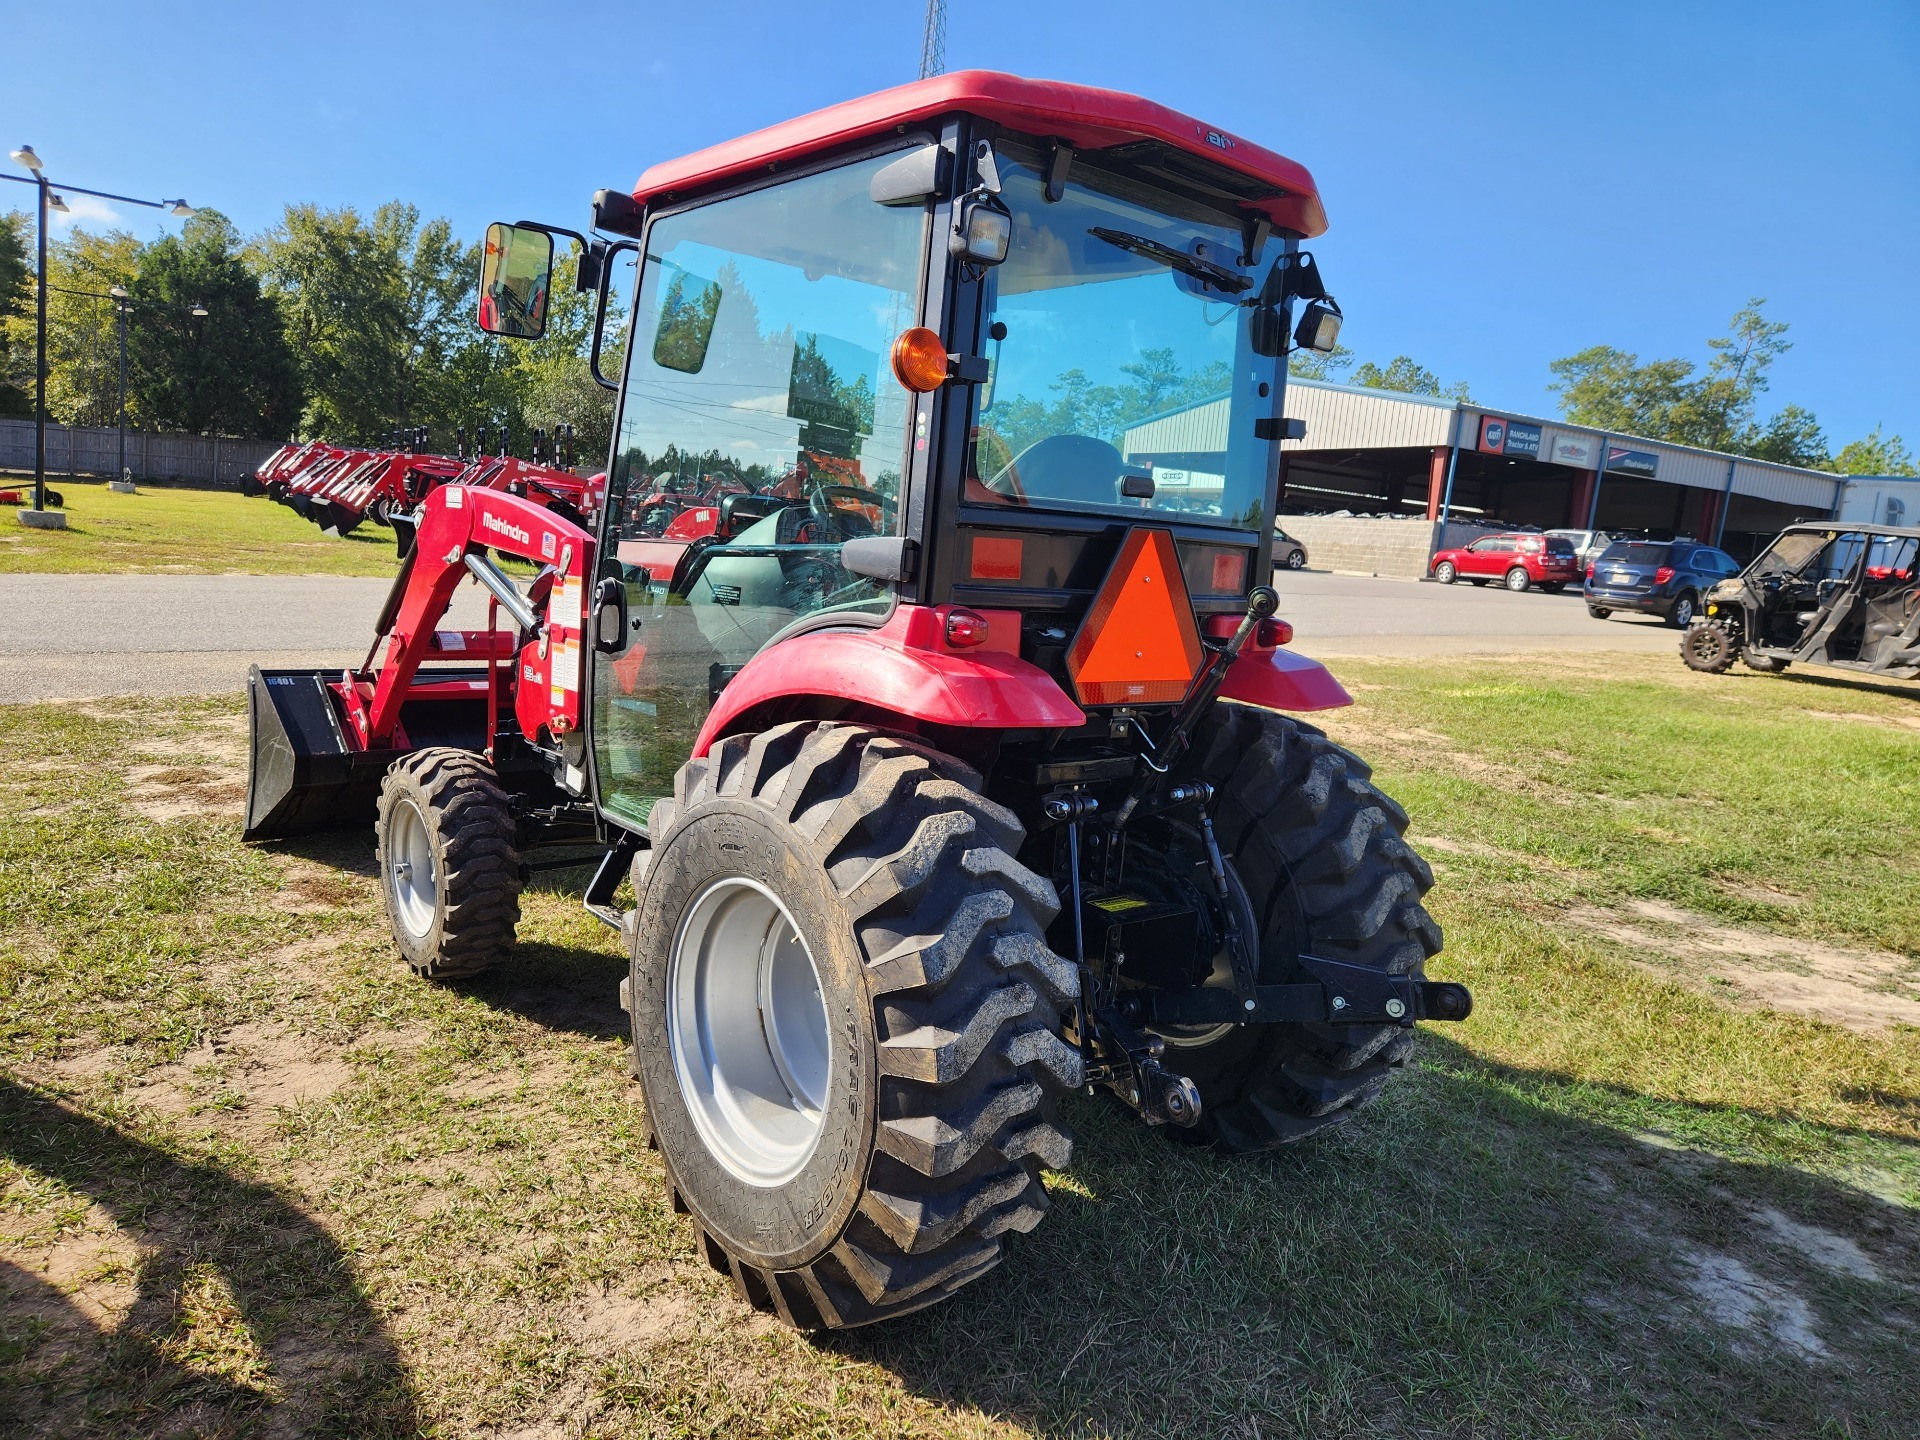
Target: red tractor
<point>950,768</point>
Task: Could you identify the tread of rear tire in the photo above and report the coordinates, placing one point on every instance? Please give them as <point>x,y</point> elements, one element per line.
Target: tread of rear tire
<point>967,1001</point>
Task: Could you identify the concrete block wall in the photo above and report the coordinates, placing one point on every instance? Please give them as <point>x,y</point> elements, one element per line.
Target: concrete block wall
<point>1361,546</point>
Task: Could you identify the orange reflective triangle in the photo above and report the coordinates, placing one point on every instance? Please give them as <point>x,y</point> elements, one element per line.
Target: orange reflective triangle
<point>1138,644</point>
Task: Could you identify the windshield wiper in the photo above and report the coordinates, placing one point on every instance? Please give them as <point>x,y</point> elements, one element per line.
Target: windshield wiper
<point>1217,276</point>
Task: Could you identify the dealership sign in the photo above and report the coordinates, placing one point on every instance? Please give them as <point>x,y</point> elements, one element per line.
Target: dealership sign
<point>1632,462</point>
<point>1574,450</point>
<point>1508,437</point>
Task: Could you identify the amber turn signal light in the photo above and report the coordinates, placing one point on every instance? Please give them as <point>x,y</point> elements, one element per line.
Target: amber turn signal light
<point>920,360</point>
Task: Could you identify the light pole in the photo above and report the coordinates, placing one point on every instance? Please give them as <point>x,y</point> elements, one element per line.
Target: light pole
<point>121,302</point>
<point>39,517</point>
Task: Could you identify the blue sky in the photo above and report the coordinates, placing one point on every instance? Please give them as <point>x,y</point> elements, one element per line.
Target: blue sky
<point>1507,182</point>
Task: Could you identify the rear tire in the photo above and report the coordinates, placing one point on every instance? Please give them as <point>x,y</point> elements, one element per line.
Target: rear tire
<point>1325,864</point>
<point>449,868</point>
<point>1685,606</point>
<point>1445,573</point>
<point>1296,560</point>
<point>1599,612</point>
<point>1708,647</point>
<point>1553,587</point>
<point>880,1156</point>
<point>1518,580</point>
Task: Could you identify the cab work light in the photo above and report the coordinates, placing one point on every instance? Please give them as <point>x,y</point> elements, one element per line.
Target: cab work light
<point>1319,327</point>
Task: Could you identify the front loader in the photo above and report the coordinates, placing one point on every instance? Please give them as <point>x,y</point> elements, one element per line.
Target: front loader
<point>915,682</point>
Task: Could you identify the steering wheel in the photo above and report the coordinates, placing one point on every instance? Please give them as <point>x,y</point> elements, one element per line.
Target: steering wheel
<point>873,507</point>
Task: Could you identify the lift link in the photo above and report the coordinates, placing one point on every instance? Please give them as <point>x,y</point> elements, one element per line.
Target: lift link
<point>1262,601</point>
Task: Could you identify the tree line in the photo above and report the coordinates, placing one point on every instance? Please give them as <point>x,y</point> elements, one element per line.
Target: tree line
<point>346,326</point>
<point>1715,406</point>
<point>329,324</point>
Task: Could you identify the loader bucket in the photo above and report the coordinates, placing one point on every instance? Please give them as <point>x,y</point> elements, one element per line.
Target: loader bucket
<point>337,518</point>
<point>304,776</point>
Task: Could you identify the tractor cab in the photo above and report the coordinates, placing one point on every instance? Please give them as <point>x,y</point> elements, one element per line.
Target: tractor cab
<point>949,347</point>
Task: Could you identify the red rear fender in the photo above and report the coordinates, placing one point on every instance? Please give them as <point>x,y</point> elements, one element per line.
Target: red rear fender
<point>903,668</point>
<point>1282,680</point>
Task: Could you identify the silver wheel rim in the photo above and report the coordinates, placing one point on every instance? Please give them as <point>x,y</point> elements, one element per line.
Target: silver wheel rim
<point>1683,611</point>
<point>747,1029</point>
<point>1446,573</point>
<point>416,878</point>
<point>1516,580</point>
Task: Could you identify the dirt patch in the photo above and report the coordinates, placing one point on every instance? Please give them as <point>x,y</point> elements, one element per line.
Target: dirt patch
<point>252,1070</point>
<point>174,792</point>
<point>606,1324</point>
<point>1831,1252</point>
<point>311,889</point>
<point>1733,1295</point>
<point>1889,722</point>
<point>1865,990</point>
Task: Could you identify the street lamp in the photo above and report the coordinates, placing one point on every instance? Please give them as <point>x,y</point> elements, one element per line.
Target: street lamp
<point>39,516</point>
<point>124,304</point>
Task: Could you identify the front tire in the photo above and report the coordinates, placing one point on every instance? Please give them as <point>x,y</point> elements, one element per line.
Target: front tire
<point>845,1020</point>
<point>1445,573</point>
<point>1323,858</point>
<point>1518,580</point>
<point>449,869</point>
<point>1708,647</point>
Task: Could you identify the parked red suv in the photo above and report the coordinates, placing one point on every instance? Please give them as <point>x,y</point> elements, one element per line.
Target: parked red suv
<point>1516,561</point>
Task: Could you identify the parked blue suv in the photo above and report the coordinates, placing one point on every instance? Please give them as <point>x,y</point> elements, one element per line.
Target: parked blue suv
<point>1656,577</point>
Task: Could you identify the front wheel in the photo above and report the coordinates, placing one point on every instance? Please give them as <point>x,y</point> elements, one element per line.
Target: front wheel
<point>1708,647</point>
<point>1322,856</point>
<point>845,1020</point>
<point>1518,580</point>
<point>449,869</point>
<point>1445,573</point>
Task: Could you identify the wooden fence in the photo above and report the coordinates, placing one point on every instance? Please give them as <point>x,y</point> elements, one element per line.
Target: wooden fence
<point>209,460</point>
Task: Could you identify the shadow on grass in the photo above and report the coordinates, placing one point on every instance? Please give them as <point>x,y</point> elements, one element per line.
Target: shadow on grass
<point>330,1366</point>
<point>1462,1260</point>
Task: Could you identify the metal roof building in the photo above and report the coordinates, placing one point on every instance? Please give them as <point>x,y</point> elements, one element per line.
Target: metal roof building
<point>1380,452</point>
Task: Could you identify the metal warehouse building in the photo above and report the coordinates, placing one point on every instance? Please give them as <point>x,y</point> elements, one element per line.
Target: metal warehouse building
<point>1378,453</point>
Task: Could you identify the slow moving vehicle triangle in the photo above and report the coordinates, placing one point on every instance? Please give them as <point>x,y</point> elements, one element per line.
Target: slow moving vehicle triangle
<point>1138,644</point>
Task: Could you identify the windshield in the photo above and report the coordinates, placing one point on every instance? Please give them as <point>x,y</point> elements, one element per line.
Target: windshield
<point>1121,375</point>
<point>1638,552</point>
<point>1790,554</point>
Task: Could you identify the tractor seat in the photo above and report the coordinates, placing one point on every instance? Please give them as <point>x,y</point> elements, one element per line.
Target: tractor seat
<point>1075,468</point>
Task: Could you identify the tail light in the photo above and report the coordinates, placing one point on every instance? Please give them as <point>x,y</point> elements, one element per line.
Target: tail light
<point>966,629</point>
<point>1269,634</point>
<point>1589,572</point>
<point>1663,574</point>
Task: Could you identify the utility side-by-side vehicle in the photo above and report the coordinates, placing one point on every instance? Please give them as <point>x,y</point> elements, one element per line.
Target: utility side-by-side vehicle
<point>1821,594</point>
<point>936,719</point>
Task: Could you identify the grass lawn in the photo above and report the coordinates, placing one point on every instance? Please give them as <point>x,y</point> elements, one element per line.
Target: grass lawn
<point>256,1179</point>
<point>192,532</point>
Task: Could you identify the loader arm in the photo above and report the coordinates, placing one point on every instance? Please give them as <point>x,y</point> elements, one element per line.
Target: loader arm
<point>459,520</point>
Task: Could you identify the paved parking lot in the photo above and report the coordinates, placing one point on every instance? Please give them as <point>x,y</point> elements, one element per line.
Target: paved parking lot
<point>80,636</point>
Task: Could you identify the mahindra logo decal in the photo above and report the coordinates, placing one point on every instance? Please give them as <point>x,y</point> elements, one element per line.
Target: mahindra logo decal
<point>502,527</point>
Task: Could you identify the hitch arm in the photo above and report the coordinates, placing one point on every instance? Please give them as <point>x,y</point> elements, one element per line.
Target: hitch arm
<point>1338,994</point>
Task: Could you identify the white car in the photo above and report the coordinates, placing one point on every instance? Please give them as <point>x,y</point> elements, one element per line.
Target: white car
<point>1587,544</point>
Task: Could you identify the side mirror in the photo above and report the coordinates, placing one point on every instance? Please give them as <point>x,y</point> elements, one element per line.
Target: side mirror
<point>516,278</point>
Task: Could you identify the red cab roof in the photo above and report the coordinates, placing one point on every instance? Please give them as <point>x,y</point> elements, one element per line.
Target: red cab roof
<point>1084,117</point>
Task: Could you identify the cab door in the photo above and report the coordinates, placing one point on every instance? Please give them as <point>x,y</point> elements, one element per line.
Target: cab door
<point>761,428</point>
